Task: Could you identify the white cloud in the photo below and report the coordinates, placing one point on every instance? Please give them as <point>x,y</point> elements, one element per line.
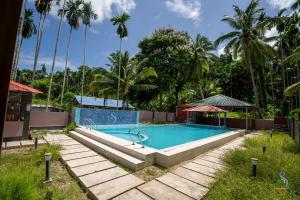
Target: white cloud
<point>271,33</point>
<point>188,9</point>
<point>27,60</point>
<point>105,9</point>
<point>280,4</point>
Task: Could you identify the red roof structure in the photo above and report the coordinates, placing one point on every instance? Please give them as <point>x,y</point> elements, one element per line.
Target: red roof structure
<point>18,87</point>
<point>205,109</point>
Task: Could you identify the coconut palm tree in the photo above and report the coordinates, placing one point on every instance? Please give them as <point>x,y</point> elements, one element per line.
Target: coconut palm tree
<point>200,58</point>
<point>54,56</point>
<point>133,77</point>
<point>296,4</point>
<point>247,39</point>
<point>88,14</point>
<point>43,7</point>
<point>73,13</point>
<point>28,30</point>
<point>122,31</point>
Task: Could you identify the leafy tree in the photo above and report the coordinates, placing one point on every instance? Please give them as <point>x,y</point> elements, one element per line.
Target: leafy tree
<point>28,30</point>
<point>122,31</point>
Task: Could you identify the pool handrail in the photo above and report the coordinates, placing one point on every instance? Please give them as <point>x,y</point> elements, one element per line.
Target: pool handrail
<point>142,131</point>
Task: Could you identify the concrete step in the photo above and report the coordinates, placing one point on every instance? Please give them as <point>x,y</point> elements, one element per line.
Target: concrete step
<point>111,153</point>
<point>135,150</point>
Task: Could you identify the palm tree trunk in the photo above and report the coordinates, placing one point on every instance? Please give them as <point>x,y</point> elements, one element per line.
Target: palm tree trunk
<point>84,60</point>
<point>54,58</point>
<point>249,63</point>
<point>120,62</point>
<point>201,90</point>
<point>38,50</point>
<point>36,45</point>
<point>17,60</point>
<point>66,67</point>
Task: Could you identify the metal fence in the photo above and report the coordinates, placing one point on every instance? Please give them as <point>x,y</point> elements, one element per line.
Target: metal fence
<point>294,130</point>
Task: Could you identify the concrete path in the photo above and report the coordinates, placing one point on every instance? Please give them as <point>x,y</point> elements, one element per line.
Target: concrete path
<point>104,180</point>
<point>21,143</point>
<point>101,178</point>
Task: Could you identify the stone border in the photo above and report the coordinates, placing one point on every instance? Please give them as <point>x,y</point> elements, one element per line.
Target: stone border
<point>165,157</point>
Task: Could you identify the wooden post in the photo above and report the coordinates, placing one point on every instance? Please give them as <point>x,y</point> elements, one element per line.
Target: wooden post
<point>225,119</point>
<point>219,119</point>
<point>9,20</point>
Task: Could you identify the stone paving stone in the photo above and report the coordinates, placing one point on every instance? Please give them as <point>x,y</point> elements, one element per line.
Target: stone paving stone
<point>78,155</point>
<point>160,191</point>
<point>193,176</point>
<point>200,161</point>
<point>220,152</point>
<point>72,147</point>
<point>85,161</point>
<point>212,159</point>
<point>102,176</point>
<point>67,143</point>
<point>201,169</point>
<point>92,168</point>
<point>183,185</point>
<point>71,151</point>
<point>214,154</point>
<point>133,194</point>
<point>114,187</point>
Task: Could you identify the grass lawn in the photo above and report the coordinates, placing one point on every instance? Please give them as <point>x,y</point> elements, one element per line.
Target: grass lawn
<point>236,183</point>
<point>22,177</point>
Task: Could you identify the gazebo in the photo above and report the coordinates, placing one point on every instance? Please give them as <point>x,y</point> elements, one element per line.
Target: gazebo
<point>224,102</point>
<point>205,109</point>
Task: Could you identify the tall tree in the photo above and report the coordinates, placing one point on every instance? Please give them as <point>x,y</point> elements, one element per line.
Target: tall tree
<point>28,30</point>
<point>54,56</point>
<point>122,31</point>
<point>200,58</point>
<point>73,13</point>
<point>247,39</point>
<point>88,14</point>
<point>43,7</point>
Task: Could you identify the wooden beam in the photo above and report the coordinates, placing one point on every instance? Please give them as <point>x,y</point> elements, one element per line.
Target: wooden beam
<point>9,21</point>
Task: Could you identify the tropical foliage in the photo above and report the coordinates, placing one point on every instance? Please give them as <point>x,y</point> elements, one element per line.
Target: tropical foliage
<point>172,67</point>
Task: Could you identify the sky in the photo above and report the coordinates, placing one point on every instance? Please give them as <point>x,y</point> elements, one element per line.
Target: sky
<point>194,16</point>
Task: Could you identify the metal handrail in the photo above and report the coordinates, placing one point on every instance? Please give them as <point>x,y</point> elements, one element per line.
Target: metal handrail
<point>91,123</point>
<point>140,140</point>
<point>129,131</point>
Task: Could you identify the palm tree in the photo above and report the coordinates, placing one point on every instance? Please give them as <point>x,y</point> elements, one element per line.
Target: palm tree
<point>200,59</point>
<point>88,14</point>
<point>43,7</point>
<point>122,32</point>
<point>296,4</point>
<point>133,77</point>
<point>54,56</point>
<point>73,13</point>
<point>28,30</point>
<point>247,39</point>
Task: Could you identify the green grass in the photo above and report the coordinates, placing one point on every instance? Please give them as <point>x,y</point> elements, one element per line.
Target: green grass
<point>22,177</point>
<point>282,155</point>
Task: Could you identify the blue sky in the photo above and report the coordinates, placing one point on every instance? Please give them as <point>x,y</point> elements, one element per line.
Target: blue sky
<point>193,16</point>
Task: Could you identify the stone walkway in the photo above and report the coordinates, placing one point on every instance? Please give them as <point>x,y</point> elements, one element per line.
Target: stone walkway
<point>104,180</point>
<point>21,143</point>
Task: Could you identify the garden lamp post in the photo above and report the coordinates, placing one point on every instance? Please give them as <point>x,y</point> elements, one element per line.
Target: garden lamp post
<point>254,163</point>
<point>264,148</point>
<point>36,140</point>
<point>47,172</point>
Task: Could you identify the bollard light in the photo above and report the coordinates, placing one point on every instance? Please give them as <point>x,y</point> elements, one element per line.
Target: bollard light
<point>36,140</point>
<point>264,146</point>
<point>47,172</point>
<point>254,163</point>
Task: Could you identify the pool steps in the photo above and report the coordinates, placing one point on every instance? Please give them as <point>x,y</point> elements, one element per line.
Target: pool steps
<point>146,154</point>
<point>109,152</point>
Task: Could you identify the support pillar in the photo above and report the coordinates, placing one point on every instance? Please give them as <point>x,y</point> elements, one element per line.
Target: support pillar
<point>219,119</point>
<point>225,119</point>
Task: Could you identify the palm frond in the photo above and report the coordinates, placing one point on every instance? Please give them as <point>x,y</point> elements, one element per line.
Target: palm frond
<point>292,89</point>
<point>226,37</point>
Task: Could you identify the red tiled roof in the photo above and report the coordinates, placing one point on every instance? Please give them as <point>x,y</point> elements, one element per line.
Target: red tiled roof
<point>14,86</point>
<point>205,108</point>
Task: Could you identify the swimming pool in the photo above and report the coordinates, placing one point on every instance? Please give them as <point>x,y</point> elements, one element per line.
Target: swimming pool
<point>164,136</point>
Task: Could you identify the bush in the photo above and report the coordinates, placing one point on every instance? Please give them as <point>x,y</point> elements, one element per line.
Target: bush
<point>18,185</point>
<point>70,127</point>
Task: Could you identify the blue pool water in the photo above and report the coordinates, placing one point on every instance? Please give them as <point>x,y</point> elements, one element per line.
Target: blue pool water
<point>164,136</point>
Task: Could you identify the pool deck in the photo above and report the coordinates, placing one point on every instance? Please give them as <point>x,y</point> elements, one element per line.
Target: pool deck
<point>104,180</point>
